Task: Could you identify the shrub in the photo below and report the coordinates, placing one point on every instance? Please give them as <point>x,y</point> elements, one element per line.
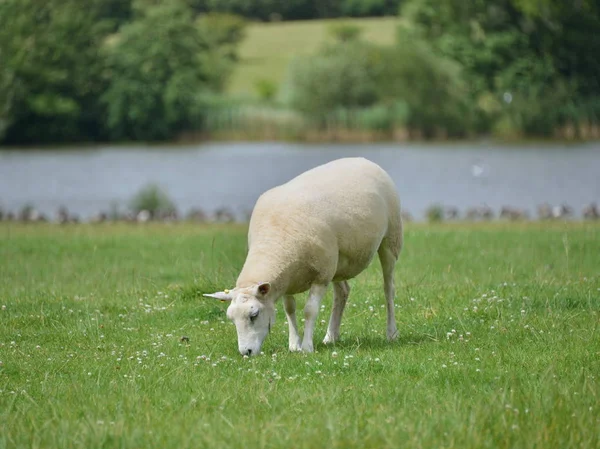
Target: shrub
<point>432,86</point>
<point>340,75</point>
<point>153,199</point>
<point>266,89</point>
<point>345,32</point>
<point>435,213</point>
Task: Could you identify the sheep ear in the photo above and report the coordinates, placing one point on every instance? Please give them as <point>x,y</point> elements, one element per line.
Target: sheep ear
<point>223,296</point>
<point>263,288</point>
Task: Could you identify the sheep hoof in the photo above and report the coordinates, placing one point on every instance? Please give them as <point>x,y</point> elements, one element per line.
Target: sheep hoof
<point>295,347</point>
<point>329,339</point>
<point>308,348</point>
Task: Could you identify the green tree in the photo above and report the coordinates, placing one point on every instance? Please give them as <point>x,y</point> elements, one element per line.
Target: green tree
<point>159,66</point>
<point>342,74</point>
<point>432,86</point>
<point>51,70</point>
<point>529,51</point>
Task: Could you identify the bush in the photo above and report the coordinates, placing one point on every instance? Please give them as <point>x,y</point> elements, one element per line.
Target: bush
<point>382,117</point>
<point>342,75</point>
<point>345,32</point>
<point>266,89</point>
<point>432,86</point>
<point>153,199</point>
<point>405,84</point>
<point>435,213</point>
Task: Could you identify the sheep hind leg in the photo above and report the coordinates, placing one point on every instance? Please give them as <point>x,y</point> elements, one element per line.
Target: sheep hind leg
<point>388,263</point>
<point>289,304</point>
<point>341,290</point>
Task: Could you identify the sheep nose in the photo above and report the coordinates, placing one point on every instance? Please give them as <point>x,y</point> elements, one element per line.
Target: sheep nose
<point>247,352</point>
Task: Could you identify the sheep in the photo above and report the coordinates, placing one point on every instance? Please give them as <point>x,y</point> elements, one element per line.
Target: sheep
<point>322,227</point>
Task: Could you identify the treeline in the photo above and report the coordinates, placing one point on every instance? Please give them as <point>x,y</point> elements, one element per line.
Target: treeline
<point>275,10</point>
<point>530,66</point>
<point>117,70</point>
<point>109,69</point>
<point>509,67</point>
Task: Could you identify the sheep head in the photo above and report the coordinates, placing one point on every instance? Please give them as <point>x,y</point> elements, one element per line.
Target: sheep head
<point>252,310</point>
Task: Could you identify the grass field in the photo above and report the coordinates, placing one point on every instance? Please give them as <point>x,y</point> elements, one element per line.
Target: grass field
<point>499,344</point>
<point>269,47</point>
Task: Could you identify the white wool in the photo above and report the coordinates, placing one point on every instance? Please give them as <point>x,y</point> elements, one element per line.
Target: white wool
<point>322,227</point>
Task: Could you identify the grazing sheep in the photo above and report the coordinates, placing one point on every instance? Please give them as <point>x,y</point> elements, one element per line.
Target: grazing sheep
<point>322,227</point>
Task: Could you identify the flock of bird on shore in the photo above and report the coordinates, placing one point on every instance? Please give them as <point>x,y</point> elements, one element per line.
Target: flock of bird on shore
<point>29,214</point>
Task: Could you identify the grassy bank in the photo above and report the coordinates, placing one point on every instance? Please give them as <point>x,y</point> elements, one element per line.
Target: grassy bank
<point>269,47</point>
<point>498,344</point>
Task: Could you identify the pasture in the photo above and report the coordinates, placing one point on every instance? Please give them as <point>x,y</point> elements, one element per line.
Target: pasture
<point>269,47</point>
<point>499,343</point>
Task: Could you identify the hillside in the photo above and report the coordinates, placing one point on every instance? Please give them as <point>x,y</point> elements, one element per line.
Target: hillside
<point>269,47</point>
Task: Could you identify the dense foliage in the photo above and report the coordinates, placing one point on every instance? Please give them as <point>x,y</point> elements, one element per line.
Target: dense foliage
<point>401,85</point>
<point>152,69</point>
<point>269,10</point>
<point>510,67</point>
<point>531,65</point>
<point>108,69</point>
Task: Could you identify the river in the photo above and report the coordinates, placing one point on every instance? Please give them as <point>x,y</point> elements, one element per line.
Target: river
<point>212,175</point>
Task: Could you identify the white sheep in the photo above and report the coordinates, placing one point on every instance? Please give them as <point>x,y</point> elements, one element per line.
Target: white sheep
<point>323,226</point>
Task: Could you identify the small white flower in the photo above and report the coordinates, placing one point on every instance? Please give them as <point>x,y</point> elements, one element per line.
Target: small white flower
<point>444,366</point>
<point>334,354</point>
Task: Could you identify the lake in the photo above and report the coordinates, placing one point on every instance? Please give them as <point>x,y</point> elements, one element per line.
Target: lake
<point>233,175</point>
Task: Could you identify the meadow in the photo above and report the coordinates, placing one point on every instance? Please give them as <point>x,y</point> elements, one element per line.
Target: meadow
<point>106,341</point>
<point>268,48</point>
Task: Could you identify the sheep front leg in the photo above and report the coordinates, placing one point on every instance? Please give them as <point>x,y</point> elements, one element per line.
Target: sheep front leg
<point>341,290</point>
<point>311,310</point>
<point>289,304</point>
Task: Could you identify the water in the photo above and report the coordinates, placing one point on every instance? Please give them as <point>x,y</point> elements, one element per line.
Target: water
<point>233,175</point>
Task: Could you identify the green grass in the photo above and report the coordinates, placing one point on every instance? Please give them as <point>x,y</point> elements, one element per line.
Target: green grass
<point>269,47</point>
<point>499,344</point>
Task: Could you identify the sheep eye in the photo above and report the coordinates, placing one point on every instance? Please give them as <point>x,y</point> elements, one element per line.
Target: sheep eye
<point>253,315</point>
